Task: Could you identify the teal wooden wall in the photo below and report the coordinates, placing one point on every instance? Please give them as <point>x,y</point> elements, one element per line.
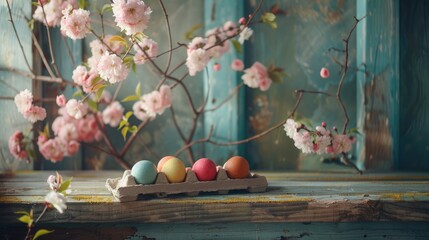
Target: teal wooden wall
<point>414,85</point>
<point>385,92</point>
<point>11,83</point>
<point>300,45</point>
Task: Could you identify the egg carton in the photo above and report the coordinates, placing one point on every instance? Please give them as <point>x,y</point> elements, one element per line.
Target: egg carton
<point>125,189</point>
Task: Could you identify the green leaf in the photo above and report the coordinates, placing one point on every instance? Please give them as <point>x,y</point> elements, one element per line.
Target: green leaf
<point>25,219</point>
<point>236,45</point>
<point>65,185</point>
<point>119,39</point>
<point>35,3</point>
<point>106,8</point>
<point>22,212</point>
<point>124,132</point>
<point>270,19</point>
<point>353,131</point>
<point>131,98</point>
<point>122,123</point>
<point>133,67</point>
<point>128,61</point>
<point>92,104</point>
<point>46,130</point>
<point>31,24</point>
<point>128,114</point>
<point>139,36</point>
<point>138,90</point>
<point>276,77</point>
<point>82,4</point>
<point>133,129</point>
<point>100,92</point>
<point>190,34</point>
<point>78,93</point>
<point>41,232</point>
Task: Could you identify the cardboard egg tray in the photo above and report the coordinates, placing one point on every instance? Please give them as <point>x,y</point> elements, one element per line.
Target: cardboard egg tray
<point>125,189</point>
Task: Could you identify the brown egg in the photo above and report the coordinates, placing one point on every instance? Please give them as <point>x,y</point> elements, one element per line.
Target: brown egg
<point>237,167</point>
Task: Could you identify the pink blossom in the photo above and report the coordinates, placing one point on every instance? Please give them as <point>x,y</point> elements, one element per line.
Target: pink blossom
<point>53,184</point>
<point>329,149</point>
<point>131,16</point>
<point>52,11</point>
<point>251,78</point>
<point>153,102</point>
<point>165,91</point>
<point>113,113</point>
<point>149,46</point>
<point>291,127</point>
<point>216,46</point>
<point>24,101</point>
<point>264,80</point>
<point>341,143</point>
<point>35,114</point>
<point>237,65</point>
<point>79,74</point>
<point>68,132</point>
<point>303,141</point>
<point>230,28</point>
<point>72,148</point>
<point>242,20</point>
<point>324,73</point>
<point>76,108</point>
<point>61,100</point>
<point>17,145</point>
<point>52,150</point>
<point>245,34</point>
<point>139,111</point>
<point>75,23</point>
<point>87,128</point>
<point>111,68</point>
<point>196,61</point>
<point>41,139</point>
<point>216,67</point>
<point>196,43</point>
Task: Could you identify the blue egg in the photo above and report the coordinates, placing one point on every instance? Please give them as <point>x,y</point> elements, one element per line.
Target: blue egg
<point>144,172</point>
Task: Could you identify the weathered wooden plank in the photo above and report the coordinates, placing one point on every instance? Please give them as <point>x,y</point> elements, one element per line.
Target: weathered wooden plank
<point>291,200</point>
<point>379,230</point>
<point>378,87</point>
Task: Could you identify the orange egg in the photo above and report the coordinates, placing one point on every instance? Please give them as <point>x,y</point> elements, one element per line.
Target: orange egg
<point>162,161</point>
<point>237,167</point>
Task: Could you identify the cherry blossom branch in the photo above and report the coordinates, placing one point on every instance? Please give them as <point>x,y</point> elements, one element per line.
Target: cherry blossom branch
<point>57,71</point>
<point>170,40</point>
<point>37,77</point>
<point>17,36</point>
<point>345,160</point>
<point>42,55</point>
<point>69,53</point>
<point>132,138</point>
<point>146,148</point>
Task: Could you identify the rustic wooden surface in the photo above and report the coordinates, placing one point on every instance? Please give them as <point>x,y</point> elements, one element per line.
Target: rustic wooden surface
<point>291,197</point>
<point>296,206</point>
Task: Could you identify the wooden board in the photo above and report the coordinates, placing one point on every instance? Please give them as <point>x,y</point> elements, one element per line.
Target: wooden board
<point>295,197</point>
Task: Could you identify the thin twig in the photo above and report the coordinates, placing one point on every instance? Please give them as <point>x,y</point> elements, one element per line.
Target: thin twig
<point>146,148</point>
<point>42,55</point>
<point>17,37</point>
<point>69,52</point>
<point>232,93</point>
<point>57,71</point>
<point>132,138</point>
<point>346,161</point>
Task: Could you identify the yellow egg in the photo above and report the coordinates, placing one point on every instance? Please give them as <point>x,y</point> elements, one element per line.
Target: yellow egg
<point>175,170</point>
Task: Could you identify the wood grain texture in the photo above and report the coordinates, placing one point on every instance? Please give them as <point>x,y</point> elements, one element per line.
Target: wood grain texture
<point>414,87</point>
<point>10,83</point>
<point>278,231</point>
<point>378,88</point>
<point>289,198</point>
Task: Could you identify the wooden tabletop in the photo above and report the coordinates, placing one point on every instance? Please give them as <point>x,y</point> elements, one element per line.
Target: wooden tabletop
<point>291,197</point>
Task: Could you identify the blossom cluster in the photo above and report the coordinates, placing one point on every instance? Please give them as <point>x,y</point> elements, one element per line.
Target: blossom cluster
<point>52,11</point>
<point>24,104</point>
<point>214,45</point>
<point>152,103</point>
<point>319,141</point>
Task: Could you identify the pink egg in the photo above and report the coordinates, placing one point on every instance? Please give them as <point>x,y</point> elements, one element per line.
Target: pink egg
<point>205,169</point>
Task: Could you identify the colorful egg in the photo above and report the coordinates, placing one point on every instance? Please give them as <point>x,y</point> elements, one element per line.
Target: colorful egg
<point>162,161</point>
<point>237,167</point>
<point>174,170</point>
<point>144,172</point>
<point>205,169</point>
